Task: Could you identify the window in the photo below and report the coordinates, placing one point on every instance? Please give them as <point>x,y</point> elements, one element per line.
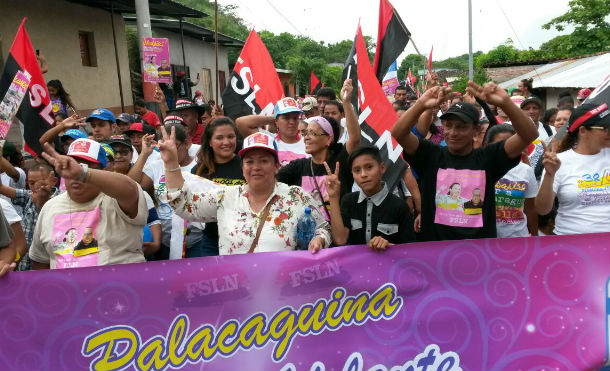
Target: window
<point>87,49</point>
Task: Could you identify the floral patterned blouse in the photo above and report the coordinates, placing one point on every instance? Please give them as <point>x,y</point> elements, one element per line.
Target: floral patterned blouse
<point>237,223</point>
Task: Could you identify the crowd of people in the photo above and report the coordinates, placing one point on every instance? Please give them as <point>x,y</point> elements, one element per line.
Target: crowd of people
<point>483,163</point>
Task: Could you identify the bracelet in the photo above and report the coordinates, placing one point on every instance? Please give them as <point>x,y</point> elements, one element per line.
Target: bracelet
<point>17,257</point>
<point>173,170</point>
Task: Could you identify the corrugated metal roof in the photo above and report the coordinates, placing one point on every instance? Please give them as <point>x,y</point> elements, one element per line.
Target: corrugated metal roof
<point>573,73</point>
<point>168,8</point>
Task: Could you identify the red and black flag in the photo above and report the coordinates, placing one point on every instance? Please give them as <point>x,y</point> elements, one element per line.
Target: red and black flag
<point>315,84</point>
<point>375,114</point>
<point>36,111</point>
<point>254,86</point>
<point>392,38</point>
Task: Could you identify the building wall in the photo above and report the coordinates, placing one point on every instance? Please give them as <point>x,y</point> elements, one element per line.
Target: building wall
<point>53,27</point>
<point>552,95</point>
<point>199,55</point>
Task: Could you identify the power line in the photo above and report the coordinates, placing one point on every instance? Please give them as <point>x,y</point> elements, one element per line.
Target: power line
<point>285,18</point>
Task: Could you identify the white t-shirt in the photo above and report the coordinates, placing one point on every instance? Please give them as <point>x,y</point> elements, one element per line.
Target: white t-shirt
<point>9,212</point>
<point>583,189</point>
<point>20,184</point>
<point>70,234</point>
<point>543,135</point>
<point>154,156</point>
<point>511,191</point>
<point>156,172</point>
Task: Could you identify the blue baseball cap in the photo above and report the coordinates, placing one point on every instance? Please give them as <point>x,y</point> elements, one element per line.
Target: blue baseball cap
<point>286,105</point>
<point>88,150</point>
<point>74,134</point>
<point>102,114</point>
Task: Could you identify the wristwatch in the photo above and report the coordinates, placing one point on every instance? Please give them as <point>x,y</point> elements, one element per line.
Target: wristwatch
<point>83,175</point>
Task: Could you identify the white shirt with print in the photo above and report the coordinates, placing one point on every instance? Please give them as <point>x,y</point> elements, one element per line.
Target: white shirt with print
<point>582,185</point>
<point>512,190</point>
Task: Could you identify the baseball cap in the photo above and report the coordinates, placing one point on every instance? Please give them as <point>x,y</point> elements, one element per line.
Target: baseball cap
<point>88,150</point>
<point>583,94</point>
<point>259,140</point>
<point>309,103</point>
<point>286,105</point>
<point>139,127</point>
<point>173,119</point>
<point>125,117</point>
<point>531,99</point>
<point>589,114</point>
<point>74,134</point>
<point>119,139</point>
<point>181,73</point>
<point>464,111</point>
<point>184,104</point>
<point>108,150</point>
<point>102,114</point>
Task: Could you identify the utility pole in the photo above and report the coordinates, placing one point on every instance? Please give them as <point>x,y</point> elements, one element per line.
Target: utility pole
<point>145,30</point>
<point>470,62</point>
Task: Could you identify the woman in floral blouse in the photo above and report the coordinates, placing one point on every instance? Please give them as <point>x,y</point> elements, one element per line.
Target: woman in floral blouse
<point>238,209</point>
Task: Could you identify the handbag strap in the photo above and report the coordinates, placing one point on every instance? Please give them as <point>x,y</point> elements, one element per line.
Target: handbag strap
<point>262,223</point>
<point>313,176</point>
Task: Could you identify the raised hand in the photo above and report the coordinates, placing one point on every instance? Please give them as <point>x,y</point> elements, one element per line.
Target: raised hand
<point>168,149</point>
<point>73,122</point>
<point>148,144</point>
<point>217,111</point>
<point>346,90</point>
<point>333,184</point>
<point>65,166</point>
<point>550,161</point>
<point>490,92</point>
<point>435,96</point>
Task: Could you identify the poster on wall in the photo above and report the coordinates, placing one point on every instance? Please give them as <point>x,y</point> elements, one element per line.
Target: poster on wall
<point>156,64</point>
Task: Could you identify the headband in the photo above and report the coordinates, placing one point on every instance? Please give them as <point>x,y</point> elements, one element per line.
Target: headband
<point>581,120</point>
<point>324,124</point>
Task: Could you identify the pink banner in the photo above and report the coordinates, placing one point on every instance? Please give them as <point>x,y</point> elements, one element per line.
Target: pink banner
<point>538,303</point>
<point>156,64</point>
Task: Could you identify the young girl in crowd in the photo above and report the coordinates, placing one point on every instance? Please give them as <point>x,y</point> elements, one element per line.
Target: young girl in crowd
<point>60,99</point>
<point>579,175</point>
<point>217,161</point>
<point>515,193</point>
<point>476,170</point>
<point>321,143</point>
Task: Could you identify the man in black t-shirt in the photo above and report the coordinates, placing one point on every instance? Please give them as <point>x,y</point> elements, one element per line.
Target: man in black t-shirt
<point>445,215</point>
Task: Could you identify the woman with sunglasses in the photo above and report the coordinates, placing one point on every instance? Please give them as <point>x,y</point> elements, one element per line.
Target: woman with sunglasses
<point>579,174</point>
<point>321,143</point>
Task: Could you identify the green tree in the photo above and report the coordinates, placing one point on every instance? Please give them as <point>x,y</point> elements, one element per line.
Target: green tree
<point>414,62</point>
<point>505,52</point>
<point>591,30</point>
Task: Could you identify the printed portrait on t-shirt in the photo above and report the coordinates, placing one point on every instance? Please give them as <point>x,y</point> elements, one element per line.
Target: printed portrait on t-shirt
<point>460,195</point>
<point>475,205</point>
<point>75,242</point>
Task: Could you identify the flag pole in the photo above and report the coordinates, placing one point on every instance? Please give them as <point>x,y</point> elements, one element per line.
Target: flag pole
<point>216,45</point>
<point>470,62</point>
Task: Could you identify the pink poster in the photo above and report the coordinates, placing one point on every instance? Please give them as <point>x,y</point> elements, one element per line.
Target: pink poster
<point>75,242</point>
<point>12,100</point>
<point>459,197</point>
<point>156,64</point>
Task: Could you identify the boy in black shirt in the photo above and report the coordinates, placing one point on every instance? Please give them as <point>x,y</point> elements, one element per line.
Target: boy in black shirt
<point>371,216</point>
<point>457,181</point>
